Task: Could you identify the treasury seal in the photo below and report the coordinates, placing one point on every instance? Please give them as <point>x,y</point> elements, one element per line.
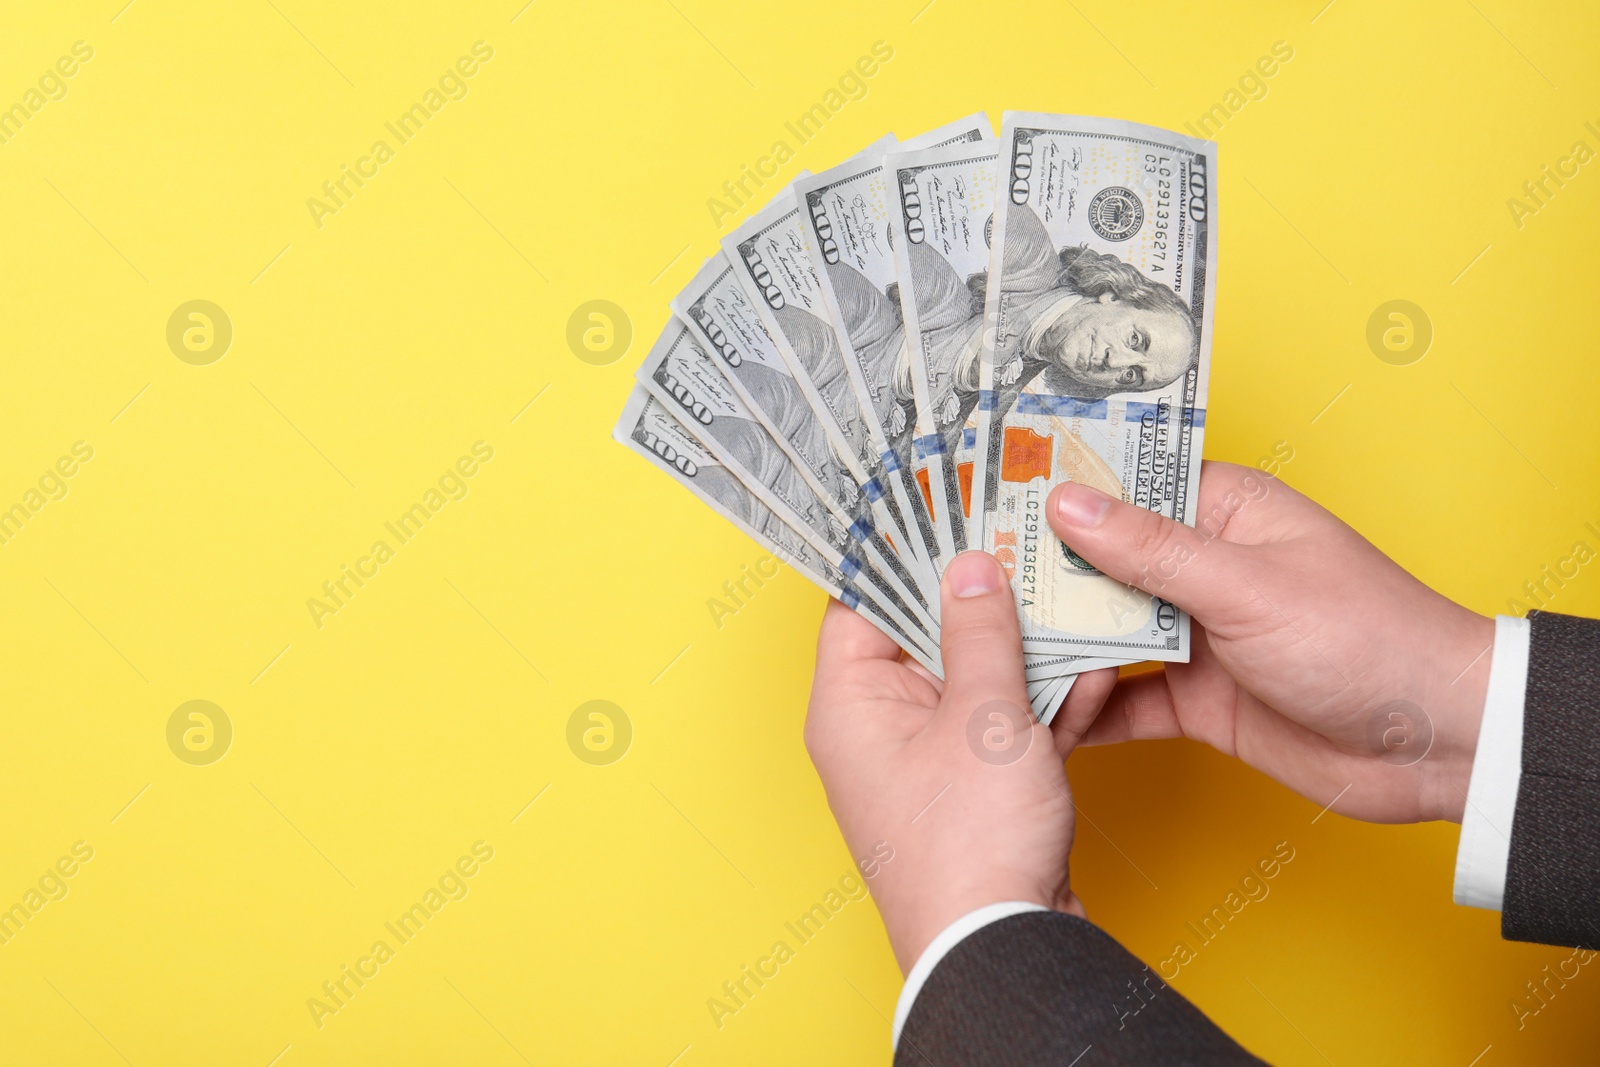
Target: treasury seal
<point>1076,561</point>
<point>1115,213</point>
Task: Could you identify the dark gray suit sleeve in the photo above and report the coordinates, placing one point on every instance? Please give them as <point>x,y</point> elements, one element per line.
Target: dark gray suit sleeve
<point>1041,988</point>
<point>1552,891</point>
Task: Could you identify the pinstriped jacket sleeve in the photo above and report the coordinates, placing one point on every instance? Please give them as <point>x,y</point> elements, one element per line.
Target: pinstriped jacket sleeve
<point>1552,892</point>
<point>1042,987</point>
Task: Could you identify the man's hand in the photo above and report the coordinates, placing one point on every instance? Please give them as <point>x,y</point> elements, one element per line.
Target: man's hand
<point>955,780</point>
<point>1316,658</point>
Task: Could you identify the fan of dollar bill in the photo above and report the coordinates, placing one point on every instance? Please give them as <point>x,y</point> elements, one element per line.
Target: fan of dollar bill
<point>897,359</point>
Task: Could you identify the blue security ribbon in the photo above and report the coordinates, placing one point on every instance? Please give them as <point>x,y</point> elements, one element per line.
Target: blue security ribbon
<point>1137,410</point>
<point>1066,406</point>
<point>1072,407</point>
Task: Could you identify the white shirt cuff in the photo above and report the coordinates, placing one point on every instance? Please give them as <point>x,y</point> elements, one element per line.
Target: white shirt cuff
<point>1496,772</point>
<point>949,938</point>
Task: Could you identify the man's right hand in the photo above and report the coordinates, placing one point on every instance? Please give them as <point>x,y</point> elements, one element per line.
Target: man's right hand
<point>1316,658</point>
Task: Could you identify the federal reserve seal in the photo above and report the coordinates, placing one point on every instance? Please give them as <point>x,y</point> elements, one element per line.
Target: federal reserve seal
<point>1115,213</point>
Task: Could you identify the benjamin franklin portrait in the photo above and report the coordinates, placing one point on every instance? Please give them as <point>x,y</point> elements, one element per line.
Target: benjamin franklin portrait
<point>1082,323</point>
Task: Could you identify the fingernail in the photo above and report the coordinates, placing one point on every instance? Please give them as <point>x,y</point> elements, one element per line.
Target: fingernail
<point>1078,505</point>
<point>973,574</point>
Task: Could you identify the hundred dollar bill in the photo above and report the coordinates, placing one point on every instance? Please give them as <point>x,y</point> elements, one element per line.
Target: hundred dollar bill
<point>1038,666</point>
<point>656,434</point>
<point>1099,306</point>
<point>944,200</point>
<point>1046,696</point>
<point>685,380</point>
<point>726,323</point>
<point>771,257</point>
<point>847,213</point>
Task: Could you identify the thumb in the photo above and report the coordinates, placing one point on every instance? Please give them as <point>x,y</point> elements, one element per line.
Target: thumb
<point>980,638</point>
<point>1140,548</point>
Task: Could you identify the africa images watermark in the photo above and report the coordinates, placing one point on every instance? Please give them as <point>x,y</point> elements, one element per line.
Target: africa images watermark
<point>1145,986</point>
<point>52,486</point>
<point>1252,86</point>
<point>337,192</point>
<point>1540,996</point>
<point>338,591</point>
<point>52,86</point>
<point>52,886</point>
<point>1253,887</point>
<point>739,591</point>
<point>1554,577</point>
<point>1538,192</point>
<point>599,732</point>
<point>852,86</point>
<point>1154,578</point>
<point>338,991</point>
<point>737,992</point>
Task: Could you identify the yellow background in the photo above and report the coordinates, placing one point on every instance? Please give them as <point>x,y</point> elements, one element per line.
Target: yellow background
<point>370,353</point>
